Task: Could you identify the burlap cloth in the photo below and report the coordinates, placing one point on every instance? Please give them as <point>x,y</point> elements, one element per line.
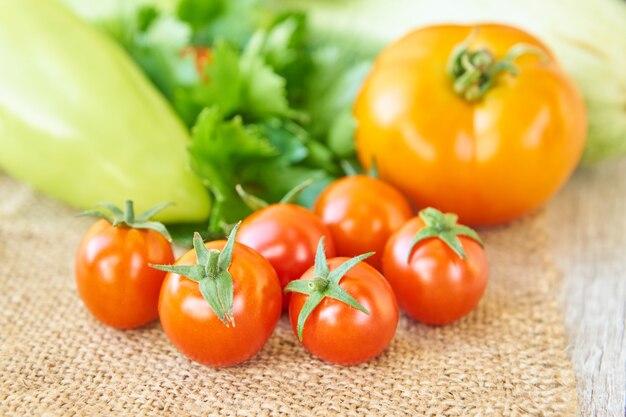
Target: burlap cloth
<point>507,358</point>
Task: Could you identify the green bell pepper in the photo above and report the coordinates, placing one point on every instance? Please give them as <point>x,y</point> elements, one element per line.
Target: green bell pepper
<point>80,122</point>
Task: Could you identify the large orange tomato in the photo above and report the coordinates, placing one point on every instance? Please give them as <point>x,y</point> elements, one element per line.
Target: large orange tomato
<point>476,120</point>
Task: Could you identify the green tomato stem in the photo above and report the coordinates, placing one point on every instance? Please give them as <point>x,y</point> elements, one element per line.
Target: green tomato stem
<point>475,72</point>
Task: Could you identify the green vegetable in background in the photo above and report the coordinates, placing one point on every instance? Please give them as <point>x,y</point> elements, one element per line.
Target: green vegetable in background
<point>80,122</point>
<point>272,107</point>
<point>587,36</point>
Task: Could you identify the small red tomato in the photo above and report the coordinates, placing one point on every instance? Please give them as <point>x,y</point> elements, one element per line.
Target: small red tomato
<point>220,302</point>
<point>343,310</point>
<point>286,235</point>
<point>361,213</point>
<point>437,268</point>
<point>112,274</point>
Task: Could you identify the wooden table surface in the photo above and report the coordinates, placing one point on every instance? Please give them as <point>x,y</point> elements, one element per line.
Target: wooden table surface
<point>588,228</point>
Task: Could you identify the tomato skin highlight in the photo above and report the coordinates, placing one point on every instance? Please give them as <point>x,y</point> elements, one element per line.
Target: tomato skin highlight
<point>489,161</point>
<point>343,335</point>
<point>435,286</point>
<point>113,277</point>
<point>196,331</point>
<point>361,213</point>
<point>286,235</point>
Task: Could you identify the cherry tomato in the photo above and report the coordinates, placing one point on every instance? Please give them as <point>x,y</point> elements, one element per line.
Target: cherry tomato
<point>286,235</point>
<point>113,277</point>
<point>436,282</point>
<point>223,338</point>
<point>488,127</point>
<point>361,213</point>
<point>356,314</point>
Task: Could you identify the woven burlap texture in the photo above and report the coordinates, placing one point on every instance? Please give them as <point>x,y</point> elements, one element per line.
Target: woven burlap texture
<point>507,358</point>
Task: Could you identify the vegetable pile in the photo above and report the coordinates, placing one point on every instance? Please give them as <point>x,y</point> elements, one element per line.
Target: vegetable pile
<point>220,302</point>
<point>267,106</point>
<point>248,121</point>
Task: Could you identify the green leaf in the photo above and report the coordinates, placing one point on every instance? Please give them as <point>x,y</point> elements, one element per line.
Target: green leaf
<point>321,266</point>
<point>321,156</point>
<point>450,218</point>
<point>337,75</point>
<point>182,233</point>
<point>422,234</point>
<point>146,15</point>
<point>338,293</point>
<point>338,273</point>
<point>95,213</point>
<point>341,134</point>
<point>224,154</point>
<point>461,230</point>
<point>148,214</point>
<point>293,194</point>
<point>156,226</point>
<point>285,46</point>
<point>226,255</point>
<point>199,13</point>
<point>116,211</point>
<point>193,272</point>
<point>288,138</point>
<point>157,50</point>
<point>310,304</point>
<point>225,294</point>
<point>444,227</point>
<point>127,218</point>
<point>222,89</point>
<point>208,289</point>
<point>202,253</point>
<point>255,203</point>
<point>453,242</point>
<point>302,286</point>
<point>264,91</point>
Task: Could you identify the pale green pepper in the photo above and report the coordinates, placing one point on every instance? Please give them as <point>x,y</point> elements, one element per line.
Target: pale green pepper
<point>80,122</point>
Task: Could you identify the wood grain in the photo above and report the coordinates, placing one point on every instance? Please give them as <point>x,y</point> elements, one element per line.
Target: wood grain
<point>588,234</point>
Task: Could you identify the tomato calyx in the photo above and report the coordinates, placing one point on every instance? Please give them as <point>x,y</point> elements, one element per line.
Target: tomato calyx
<point>127,218</point>
<point>325,284</point>
<point>474,72</point>
<point>255,203</point>
<point>211,274</point>
<point>443,226</point>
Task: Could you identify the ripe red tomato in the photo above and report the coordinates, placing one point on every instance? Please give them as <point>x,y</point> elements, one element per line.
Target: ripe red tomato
<point>113,277</point>
<point>354,313</point>
<point>286,235</point>
<point>224,320</point>
<point>436,282</point>
<point>361,213</point>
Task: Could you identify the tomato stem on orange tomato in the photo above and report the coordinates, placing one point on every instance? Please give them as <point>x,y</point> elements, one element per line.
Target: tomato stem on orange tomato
<point>212,275</point>
<point>118,218</point>
<point>325,284</point>
<point>474,72</point>
<point>442,226</point>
